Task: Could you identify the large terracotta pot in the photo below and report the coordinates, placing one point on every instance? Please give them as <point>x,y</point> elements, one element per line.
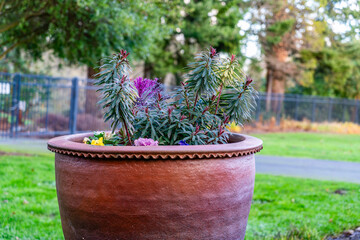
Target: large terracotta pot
<point>162,192</point>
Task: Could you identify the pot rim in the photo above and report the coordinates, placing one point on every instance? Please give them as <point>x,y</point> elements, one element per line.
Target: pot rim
<point>240,145</point>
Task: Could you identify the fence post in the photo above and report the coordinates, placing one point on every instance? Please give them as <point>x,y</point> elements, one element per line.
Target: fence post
<point>47,104</point>
<point>257,113</point>
<point>313,110</point>
<point>357,112</point>
<point>330,109</point>
<point>15,105</point>
<point>73,105</point>
<point>296,107</point>
<point>280,102</point>
<point>344,110</point>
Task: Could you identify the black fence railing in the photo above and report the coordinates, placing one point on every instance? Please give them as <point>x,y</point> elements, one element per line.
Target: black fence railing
<point>313,108</point>
<point>32,105</point>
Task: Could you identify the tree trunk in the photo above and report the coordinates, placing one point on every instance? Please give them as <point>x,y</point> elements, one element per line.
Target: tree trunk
<point>91,94</point>
<point>277,61</point>
<point>269,81</point>
<point>276,78</point>
<point>148,69</point>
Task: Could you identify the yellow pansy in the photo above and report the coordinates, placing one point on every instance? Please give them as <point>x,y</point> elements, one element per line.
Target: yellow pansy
<point>234,128</point>
<point>98,142</point>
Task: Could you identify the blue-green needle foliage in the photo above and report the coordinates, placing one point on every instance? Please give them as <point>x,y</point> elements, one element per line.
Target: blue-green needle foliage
<point>214,93</point>
<point>118,97</point>
<point>203,77</point>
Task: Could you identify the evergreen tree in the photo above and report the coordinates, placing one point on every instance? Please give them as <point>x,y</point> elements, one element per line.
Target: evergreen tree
<point>191,26</point>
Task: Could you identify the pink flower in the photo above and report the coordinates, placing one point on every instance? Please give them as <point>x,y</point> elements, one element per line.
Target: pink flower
<point>146,142</point>
<point>212,51</point>
<point>232,57</point>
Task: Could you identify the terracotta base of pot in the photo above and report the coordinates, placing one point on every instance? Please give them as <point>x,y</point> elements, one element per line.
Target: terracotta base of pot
<point>154,199</point>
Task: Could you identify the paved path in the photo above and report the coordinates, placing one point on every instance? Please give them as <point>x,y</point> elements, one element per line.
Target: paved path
<point>24,145</point>
<point>285,166</point>
<point>309,168</point>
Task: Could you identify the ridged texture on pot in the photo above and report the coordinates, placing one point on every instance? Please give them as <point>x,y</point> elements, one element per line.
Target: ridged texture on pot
<point>112,198</point>
<point>174,199</point>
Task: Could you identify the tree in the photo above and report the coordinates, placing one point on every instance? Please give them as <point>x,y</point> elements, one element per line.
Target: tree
<point>80,32</point>
<point>191,26</point>
<point>283,29</point>
<point>333,69</point>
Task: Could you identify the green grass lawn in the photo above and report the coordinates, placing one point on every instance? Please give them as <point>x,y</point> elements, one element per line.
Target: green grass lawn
<point>338,147</point>
<point>304,209</point>
<point>28,203</point>
<point>292,208</point>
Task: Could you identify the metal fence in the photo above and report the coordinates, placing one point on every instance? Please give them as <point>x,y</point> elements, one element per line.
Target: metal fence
<point>32,105</point>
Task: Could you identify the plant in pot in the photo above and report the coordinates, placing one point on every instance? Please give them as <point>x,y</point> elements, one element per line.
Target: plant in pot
<point>169,169</point>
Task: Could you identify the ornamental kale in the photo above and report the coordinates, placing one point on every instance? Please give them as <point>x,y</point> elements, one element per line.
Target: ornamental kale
<point>146,90</point>
<point>214,93</point>
<point>146,142</point>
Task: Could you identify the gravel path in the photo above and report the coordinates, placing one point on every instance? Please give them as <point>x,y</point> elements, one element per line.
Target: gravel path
<point>24,145</point>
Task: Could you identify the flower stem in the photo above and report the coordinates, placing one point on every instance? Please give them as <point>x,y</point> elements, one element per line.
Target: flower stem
<point>218,101</point>
<point>127,133</point>
<point>196,99</point>
<point>187,101</point>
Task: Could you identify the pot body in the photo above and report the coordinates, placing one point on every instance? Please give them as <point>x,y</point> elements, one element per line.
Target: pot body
<point>108,198</point>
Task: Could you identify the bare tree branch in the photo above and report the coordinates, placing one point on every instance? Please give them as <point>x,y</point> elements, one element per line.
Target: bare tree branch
<point>24,40</point>
<point>11,48</point>
<point>2,4</point>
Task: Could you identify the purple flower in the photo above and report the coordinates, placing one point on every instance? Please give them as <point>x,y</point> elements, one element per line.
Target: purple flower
<point>146,142</point>
<point>182,142</point>
<point>146,89</point>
